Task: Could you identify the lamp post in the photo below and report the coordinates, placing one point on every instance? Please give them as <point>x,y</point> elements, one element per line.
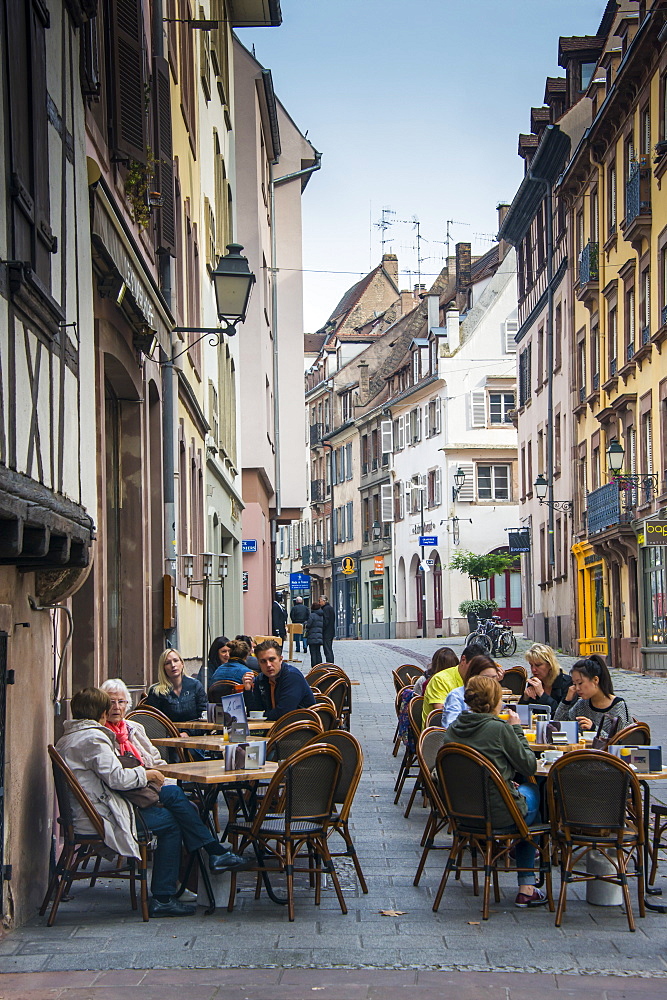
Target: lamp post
<point>630,482</point>
<point>208,559</point>
<point>377,531</point>
<point>542,487</point>
<point>459,482</point>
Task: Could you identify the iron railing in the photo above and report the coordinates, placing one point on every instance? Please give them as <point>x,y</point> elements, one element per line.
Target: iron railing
<point>646,335</point>
<point>317,490</point>
<point>603,508</point>
<point>588,263</point>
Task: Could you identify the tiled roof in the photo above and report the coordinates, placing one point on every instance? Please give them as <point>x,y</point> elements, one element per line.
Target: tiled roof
<point>353,294</point>
<point>578,44</point>
<point>539,116</point>
<point>486,265</point>
<point>555,85</point>
<point>313,342</point>
<point>429,380</point>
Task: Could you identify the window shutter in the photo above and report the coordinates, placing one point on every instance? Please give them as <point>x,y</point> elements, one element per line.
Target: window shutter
<point>129,111</point>
<point>205,58</point>
<point>350,521</point>
<point>408,497</point>
<point>427,432</point>
<point>386,503</point>
<point>387,437</point>
<point>467,491</point>
<point>437,491</point>
<point>401,433</point>
<point>348,455</point>
<point>164,162</point>
<point>511,328</point>
<point>478,408</point>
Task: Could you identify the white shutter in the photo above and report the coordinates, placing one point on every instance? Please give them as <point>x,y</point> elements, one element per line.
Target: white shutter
<point>478,408</point>
<point>408,497</point>
<point>437,408</point>
<point>467,491</point>
<point>511,328</point>
<point>386,503</point>
<point>437,488</point>
<point>426,422</point>
<point>418,411</point>
<point>386,430</point>
<point>401,433</point>
<point>401,501</point>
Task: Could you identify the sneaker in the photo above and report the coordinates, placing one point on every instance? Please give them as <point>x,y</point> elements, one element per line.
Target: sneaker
<point>174,908</point>
<point>227,862</point>
<point>537,898</point>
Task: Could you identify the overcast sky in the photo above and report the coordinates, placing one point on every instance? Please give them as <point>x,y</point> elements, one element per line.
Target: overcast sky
<point>415,106</point>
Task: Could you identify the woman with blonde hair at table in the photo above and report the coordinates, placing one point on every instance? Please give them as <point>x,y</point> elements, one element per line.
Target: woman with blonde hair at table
<point>548,684</point>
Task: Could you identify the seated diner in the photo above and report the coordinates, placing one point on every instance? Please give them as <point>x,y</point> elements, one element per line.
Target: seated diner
<point>455,703</point>
<point>179,697</point>
<point>92,750</point>
<point>591,700</point>
<point>279,688</point>
<point>547,684</point>
<point>504,744</point>
<point>236,667</point>
<point>444,681</point>
<point>443,659</point>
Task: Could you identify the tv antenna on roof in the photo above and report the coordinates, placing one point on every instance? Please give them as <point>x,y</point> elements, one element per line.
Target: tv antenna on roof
<point>450,223</point>
<point>384,224</point>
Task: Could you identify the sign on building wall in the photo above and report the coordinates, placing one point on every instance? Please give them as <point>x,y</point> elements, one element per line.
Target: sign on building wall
<point>245,582</point>
<point>348,566</point>
<point>299,581</point>
<point>652,533</point>
<point>428,540</point>
<point>519,540</point>
<point>378,564</point>
<point>249,545</point>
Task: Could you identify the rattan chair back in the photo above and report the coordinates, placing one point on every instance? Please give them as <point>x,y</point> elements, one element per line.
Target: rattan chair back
<point>219,689</point>
<point>465,780</point>
<point>415,711</point>
<point>327,714</point>
<point>289,739</point>
<point>156,724</point>
<point>304,715</point>
<point>514,679</point>
<point>434,719</point>
<point>636,735</point>
<point>589,789</point>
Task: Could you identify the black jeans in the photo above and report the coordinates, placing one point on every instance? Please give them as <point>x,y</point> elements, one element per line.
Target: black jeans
<point>315,654</point>
<point>327,645</point>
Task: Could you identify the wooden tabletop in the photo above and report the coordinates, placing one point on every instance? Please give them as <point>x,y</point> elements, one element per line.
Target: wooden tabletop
<point>197,742</point>
<point>254,725</point>
<point>212,772</point>
<point>543,769</point>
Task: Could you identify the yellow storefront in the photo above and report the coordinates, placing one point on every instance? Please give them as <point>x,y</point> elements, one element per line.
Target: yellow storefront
<point>592,600</point>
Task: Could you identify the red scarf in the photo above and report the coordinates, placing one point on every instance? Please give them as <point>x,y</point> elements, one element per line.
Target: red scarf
<point>122,734</point>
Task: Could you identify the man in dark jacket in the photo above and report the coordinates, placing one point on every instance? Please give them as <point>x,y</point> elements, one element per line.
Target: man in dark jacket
<point>278,617</point>
<point>329,629</point>
<point>300,615</point>
<point>279,688</point>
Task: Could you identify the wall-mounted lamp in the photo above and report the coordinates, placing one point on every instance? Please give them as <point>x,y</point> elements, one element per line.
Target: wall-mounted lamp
<point>459,482</point>
<point>377,531</point>
<point>188,566</point>
<point>647,482</point>
<point>223,567</point>
<point>207,565</point>
<point>542,488</point>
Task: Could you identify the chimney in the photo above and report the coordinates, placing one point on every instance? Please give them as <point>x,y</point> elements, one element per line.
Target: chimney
<point>407,301</point>
<point>463,266</point>
<point>503,209</point>
<point>390,264</point>
<point>433,311</point>
<point>452,320</point>
<point>364,384</point>
<point>419,291</point>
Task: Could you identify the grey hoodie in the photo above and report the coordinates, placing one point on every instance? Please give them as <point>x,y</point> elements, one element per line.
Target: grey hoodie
<point>504,745</point>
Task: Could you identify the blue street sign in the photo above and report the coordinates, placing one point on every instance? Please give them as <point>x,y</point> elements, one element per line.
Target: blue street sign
<point>299,581</point>
<point>429,540</point>
<point>249,545</point>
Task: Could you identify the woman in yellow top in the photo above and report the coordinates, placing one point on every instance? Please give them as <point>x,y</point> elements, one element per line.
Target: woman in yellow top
<point>444,681</point>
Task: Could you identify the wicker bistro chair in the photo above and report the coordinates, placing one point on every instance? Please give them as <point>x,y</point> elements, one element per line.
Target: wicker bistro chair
<point>406,675</point>
<point>636,735</point>
<point>79,848</point>
<point>305,715</point>
<point>339,693</point>
<point>430,742</point>
<point>289,739</point>
<point>348,781</point>
<point>398,704</point>
<point>327,713</point>
<point>218,690</point>
<point>589,794</point>
<point>465,781</point>
<point>296,813</point>
<point>158,726</point>
<point>409,767</point>
<point>434,718</point>
<point>514,679</point>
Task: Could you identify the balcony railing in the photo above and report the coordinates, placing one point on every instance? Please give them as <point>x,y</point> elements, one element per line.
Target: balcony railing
<point>663,315</point>
<point>588,264</point>
<point>315,434</point>
<point>317,490</point>
<point>631,351</point>
<point>634,205</point>
<point>596,381</point>
<point>613,367</point>
<point>315,555</point>
<point>646,335</point>
<point>582,393</point>
<point>603,508</point>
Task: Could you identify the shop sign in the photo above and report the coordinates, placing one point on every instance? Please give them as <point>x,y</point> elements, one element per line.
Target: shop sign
<point>347,566</point>
<point>519,540</point>
<point>652,533</point>
<point>249,545</point>
<point>245,582</point>
<point>299,581</point>
<point>378,564</point>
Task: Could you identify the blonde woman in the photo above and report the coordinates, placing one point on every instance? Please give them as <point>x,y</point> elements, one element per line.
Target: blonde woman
<point>179,697</point>
<point>547,685</point>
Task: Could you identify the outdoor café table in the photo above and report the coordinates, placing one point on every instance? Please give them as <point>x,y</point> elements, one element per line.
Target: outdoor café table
<point>212,775</point>
<point>644,778</point>
<point>254,725</point>
<point>211,742</point>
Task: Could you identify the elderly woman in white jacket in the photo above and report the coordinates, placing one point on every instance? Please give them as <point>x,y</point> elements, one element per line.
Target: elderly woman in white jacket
<point>91,750</point>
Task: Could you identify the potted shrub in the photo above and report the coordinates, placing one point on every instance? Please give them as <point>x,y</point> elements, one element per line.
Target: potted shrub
<point>476,611</point>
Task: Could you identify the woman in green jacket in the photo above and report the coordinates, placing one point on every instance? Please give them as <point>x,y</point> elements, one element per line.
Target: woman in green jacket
<point>504,744</point>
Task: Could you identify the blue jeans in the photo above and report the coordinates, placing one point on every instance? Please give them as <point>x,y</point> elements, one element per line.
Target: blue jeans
<point>525,852</point>
<point>298,639</point>
<point>177,819</point>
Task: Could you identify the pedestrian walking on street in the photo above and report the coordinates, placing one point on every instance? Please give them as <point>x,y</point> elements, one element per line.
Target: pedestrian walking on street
<point>300,615</point>
<point>329,629</point>
<point>278,617</point>
<point>315,634</point>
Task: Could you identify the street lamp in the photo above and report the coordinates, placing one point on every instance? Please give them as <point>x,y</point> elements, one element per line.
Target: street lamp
<point>459,482</point>
<point>377,531</point>
<point>541,487</point>
<point>233,281</point>
<point>630,483</point>
<point>207,563</point>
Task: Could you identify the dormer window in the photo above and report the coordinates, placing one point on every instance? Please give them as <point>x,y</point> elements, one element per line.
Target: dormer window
<point>586,71</point>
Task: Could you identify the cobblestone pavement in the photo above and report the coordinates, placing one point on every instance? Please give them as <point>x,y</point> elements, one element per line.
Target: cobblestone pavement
<point>97,931</point>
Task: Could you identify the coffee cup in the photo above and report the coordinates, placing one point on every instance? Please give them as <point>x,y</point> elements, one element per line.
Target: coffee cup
<point>550,756</point>
<point>256,715</point>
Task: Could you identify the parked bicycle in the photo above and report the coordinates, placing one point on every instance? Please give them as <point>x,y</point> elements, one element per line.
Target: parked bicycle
<point>495,635</point>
